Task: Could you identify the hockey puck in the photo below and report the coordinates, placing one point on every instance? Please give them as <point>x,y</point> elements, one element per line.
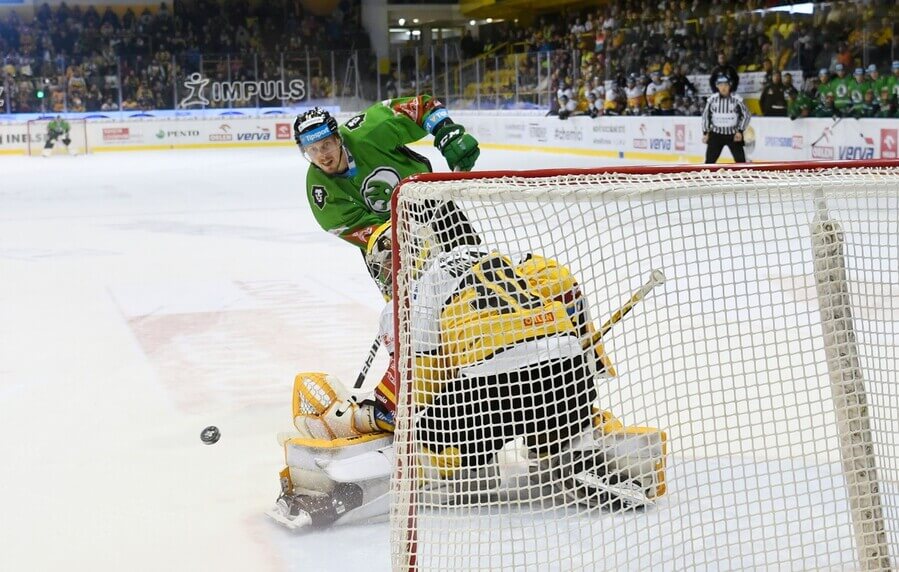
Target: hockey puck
<point>210,435</point>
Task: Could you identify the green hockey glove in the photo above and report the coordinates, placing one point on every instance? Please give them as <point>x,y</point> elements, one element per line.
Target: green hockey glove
<point>458,147</point>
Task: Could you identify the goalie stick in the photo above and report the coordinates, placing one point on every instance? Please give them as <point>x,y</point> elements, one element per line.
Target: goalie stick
<point>655,278</point>
<point>360,379</point>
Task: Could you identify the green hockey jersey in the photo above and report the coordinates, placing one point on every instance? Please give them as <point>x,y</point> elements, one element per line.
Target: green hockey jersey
<point>353,204</point>
<point>57,127</point>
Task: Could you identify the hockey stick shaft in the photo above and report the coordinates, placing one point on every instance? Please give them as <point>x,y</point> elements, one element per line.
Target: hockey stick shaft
<point>360,379</point>
<point>655,278</point>
<point>824,134</point>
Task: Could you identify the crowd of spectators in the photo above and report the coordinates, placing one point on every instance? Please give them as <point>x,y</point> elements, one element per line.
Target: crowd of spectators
<point>89,59</point>
<point>634,57</point>
<point>587,58</point>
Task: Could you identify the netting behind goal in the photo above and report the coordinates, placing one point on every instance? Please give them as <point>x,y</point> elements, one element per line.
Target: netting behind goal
<point>743,414</point>
<point>37,137</point>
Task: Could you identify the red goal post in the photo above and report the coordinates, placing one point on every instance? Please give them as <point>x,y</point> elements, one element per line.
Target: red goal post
<point>37,136</point>
<point>769,358</point>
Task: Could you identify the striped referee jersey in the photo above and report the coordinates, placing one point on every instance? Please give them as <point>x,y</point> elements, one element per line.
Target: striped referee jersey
<point>725,115</point>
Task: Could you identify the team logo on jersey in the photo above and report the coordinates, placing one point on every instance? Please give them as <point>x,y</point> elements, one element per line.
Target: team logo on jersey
<point>319,196</point>
<point>378,187</point>
<point>355,122</point>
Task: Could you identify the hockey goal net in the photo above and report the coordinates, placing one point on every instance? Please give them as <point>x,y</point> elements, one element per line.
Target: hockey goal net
<point>38,133</point>
<point>744,414</point>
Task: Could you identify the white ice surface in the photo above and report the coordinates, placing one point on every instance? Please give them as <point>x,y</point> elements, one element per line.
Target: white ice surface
<point>144,296</point>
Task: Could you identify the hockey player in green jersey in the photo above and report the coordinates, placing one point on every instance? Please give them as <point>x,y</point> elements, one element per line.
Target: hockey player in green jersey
<point>824,86</point>
<point>800,105</point>
<point>841,86</point>
<point>867,107</point>
<point>354,168</point>
<point>57,128</point>
<point>858,86</point>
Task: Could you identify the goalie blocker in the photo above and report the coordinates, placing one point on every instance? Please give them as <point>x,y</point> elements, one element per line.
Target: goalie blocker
<point>512,413</point>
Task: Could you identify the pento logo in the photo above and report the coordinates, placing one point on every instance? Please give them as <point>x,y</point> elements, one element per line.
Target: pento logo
<point>176,134</point>
<point>888,144</point>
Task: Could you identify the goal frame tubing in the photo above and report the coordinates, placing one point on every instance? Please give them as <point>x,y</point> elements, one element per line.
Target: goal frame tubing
<point>867,561</point>
<point>43,120</point>
<point>643,170</point>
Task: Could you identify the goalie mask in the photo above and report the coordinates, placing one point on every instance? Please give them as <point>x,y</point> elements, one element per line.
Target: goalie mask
<point>379,259</point>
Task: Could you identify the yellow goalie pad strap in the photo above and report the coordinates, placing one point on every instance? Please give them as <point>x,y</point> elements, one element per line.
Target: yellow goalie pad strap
<point>439,466</point>
<point>429,374</point>
<point>313,393</point>
<point>334,443</point>
<point>606,422</point>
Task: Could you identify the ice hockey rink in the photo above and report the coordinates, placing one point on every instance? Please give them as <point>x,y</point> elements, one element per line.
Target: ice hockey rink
<point>144,296</point>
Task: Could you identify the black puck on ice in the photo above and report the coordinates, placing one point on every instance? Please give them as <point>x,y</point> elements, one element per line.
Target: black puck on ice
<point>210,435</point>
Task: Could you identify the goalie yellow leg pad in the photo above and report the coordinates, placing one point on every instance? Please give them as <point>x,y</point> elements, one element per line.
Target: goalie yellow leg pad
<point>640,451</point>
<point>302,456</point>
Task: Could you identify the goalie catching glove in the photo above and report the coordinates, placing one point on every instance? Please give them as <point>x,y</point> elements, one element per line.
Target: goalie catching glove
<point>459,148</point>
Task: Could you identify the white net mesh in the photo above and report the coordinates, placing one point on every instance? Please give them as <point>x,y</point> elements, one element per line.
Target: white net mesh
<point>757,387</point>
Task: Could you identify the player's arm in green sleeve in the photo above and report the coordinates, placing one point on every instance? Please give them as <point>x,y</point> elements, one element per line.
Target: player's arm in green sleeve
<point>409,119</point>
<point>340,216</point>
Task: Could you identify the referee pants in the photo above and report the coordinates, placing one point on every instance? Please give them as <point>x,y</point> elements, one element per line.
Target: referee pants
<point>717,142</point>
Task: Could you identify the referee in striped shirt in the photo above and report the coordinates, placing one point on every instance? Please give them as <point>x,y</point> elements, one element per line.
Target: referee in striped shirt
<point>723,121</point>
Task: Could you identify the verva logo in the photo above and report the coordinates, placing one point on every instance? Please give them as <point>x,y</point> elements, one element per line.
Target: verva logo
<point>261,135</point>
<point>680,137</point>
<point>888,144</point>
<point>282,131</point>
